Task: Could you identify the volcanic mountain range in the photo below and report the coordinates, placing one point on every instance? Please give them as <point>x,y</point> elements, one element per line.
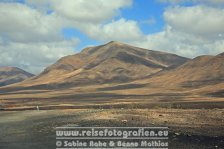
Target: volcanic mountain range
<point>122,69</point>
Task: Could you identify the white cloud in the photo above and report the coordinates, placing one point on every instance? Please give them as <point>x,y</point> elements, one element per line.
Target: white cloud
<point>93,11</point>
<point>93,18</point>
<point>181,43</point>
<point>199,20</point>
<point>189,31</point>
<point>22,24</point>
<point>34,57</point>
<point>29,39</point>
<point>120,30</point>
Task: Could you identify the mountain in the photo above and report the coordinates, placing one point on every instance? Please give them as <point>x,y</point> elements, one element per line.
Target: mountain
<point>113,62</point>
<point>198,72</point>
<point>10,75</point>
<point>117,72</point>
<point>201,78</point>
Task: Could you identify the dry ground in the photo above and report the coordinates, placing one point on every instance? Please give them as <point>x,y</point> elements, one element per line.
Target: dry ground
<point>189,129</point>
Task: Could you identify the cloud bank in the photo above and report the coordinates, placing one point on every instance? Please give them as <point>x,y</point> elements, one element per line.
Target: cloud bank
<point>189,31</point>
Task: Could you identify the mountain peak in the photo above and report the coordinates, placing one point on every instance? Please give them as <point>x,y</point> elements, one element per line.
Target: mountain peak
<point>105,48</point>
<point>115,43</point>
<point>10,75</point>
<point>10,68</point>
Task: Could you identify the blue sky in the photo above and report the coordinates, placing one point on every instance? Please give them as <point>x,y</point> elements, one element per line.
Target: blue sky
<point>36,33</point>
<point>142,11</point>
<point>148,14</point>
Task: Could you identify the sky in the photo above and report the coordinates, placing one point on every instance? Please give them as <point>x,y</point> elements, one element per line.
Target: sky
<point>36,33</point>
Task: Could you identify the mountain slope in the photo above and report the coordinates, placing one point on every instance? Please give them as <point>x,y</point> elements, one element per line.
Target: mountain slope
<point>200,71</point>
<point>10,75</point>
<point>113,62</point>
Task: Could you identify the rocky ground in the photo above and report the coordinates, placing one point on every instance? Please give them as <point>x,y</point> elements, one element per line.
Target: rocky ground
<point>189,128</point>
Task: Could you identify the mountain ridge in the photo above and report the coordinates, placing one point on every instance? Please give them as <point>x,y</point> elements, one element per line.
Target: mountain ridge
<point>109,63</point>
<point>11,75</point>
<point>116,70</point>
<point>202,70</point>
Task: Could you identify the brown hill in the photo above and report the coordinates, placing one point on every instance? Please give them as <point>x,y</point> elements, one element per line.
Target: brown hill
<point>10,75</point>
<point>198,72</point>
<point>201,77</point>
<point>113,62</point>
